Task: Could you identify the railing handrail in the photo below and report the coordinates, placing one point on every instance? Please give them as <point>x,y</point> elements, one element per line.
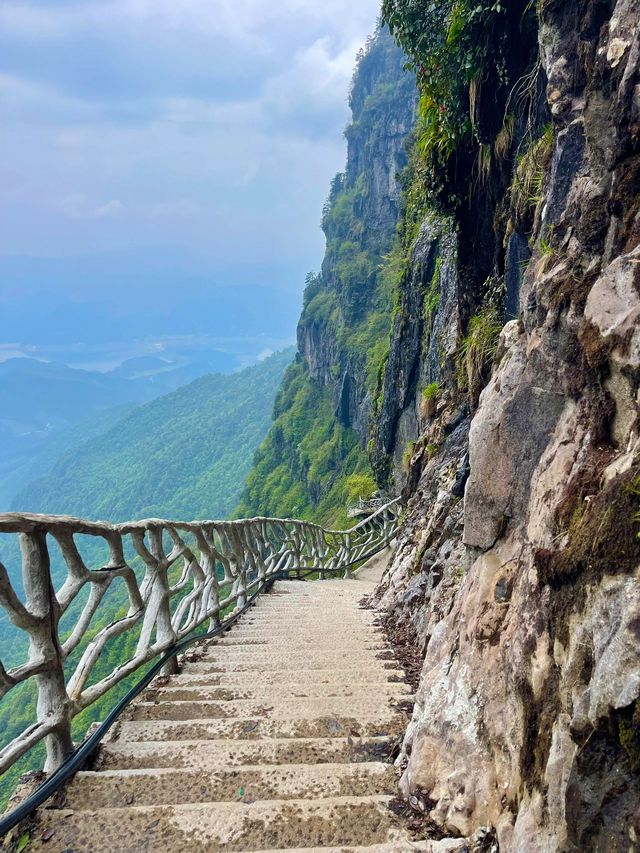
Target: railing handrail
<point>83,751</point>
<point>365,505</point>
<point>217,566</point>
<point>13,522</point>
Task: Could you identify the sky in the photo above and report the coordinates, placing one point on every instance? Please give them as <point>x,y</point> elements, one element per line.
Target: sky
<point>194,135</point>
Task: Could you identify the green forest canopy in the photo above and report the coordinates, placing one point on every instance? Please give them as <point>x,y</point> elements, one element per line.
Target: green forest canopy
<point>185,455</point>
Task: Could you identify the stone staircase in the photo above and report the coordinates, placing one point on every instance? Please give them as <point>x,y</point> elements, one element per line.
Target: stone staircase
<point>275,737</point>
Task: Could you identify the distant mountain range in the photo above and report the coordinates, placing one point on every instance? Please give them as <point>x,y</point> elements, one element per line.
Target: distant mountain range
<point>46,407</point>
<point>159,370</point>
<point>183,455</point>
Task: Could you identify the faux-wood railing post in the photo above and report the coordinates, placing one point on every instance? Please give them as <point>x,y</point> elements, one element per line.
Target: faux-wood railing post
<point>205,540</point>
<point>165,633</point>
<point>348,574</point>
<point>44,644</point>
<point>238,565</point>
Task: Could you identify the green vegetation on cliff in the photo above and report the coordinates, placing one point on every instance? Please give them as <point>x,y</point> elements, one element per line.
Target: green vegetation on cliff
<point>361,214</point>
<point>472,88</point>
<point>309,466</point>
<point>314,461</point>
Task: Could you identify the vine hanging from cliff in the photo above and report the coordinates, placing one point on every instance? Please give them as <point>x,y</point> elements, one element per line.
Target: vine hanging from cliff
<point>471,84</point>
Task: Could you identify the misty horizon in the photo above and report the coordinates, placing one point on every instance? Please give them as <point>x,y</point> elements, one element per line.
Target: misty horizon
<point>155,158</point>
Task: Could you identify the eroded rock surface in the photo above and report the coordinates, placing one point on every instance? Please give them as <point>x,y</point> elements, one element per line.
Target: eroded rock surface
<point>525,594</point>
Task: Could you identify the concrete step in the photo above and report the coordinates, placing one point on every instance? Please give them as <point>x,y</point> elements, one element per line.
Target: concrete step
<point>302,649</point>
<point>200,674</point>
<point>317,617</point>
<point>330,615</point>
<point>341,599</point>
<point>292,612</point>
<point>315,627</point>
<point>288,643</point>
<point>265,652</point>
<point>223,662</point>
<point>202,755</point>
<point>261,658</point>
<point>253,728</point>
<point>391,847</point>
<point>337,592</point>
<point>212,827</point>
<point>327,602</point>
<point>278,692</point>
<point>308,708</point>
<point>155,787</point>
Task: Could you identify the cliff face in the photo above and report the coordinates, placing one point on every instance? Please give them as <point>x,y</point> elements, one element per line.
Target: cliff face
<point>423,344</point>
<point>314,460</point>
<point>359,223</point>
<point>519,563</point>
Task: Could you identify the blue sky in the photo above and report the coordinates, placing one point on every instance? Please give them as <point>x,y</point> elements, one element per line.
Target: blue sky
<point>204,130</point>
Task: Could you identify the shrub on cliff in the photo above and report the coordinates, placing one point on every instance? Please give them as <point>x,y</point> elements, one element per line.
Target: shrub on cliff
<point>470,82</point>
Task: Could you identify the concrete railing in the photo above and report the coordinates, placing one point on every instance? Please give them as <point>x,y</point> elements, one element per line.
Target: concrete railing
<point>163,578</point>
<point>366,506</point>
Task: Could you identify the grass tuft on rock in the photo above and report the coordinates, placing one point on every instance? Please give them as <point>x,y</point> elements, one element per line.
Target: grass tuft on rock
<point>477,351</point>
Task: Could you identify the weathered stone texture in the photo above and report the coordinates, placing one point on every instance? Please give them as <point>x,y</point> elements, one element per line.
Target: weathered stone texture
<point>525,596</point>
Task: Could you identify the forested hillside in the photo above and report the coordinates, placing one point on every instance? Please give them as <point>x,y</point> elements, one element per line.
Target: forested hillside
<point>45,407</point>
<point>184,455</point>
<point>23,468</point>
<point>315,458</point>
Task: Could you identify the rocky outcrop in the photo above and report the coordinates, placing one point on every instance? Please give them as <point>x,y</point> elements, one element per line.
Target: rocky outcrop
<point>423,343</point>
<point>382,102</point>
<point>525,593</point>
<point>314,459</point>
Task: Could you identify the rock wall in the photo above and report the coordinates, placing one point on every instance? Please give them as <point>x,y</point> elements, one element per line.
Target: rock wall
<point>314,461</point>
<point>382,102</point>
<point>423,344</point>
<point>519,563</point>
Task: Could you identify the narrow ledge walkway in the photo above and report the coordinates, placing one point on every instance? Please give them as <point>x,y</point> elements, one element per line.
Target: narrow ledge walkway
<point>274,737</point>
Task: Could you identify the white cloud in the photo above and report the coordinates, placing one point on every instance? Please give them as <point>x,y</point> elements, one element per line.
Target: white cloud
<point>250,21</point>
<point>20,19</point>
<point>315,81</point>
<point>195,122</point>
<point>8,351</point>
<point>76,206</point>
<point>72,205</point>
<point>38,102</point>
<point>309,93</point>
<point>249,175</point>
<point>111,208</point>
<point>71,138</point>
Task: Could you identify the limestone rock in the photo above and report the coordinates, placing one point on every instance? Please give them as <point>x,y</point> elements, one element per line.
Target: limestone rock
<point>525,596</point>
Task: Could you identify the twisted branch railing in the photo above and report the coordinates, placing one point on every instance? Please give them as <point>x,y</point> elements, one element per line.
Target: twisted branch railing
<point>176,575</point>
<point>366,506</point>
